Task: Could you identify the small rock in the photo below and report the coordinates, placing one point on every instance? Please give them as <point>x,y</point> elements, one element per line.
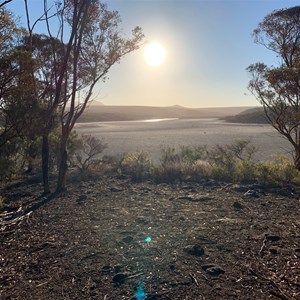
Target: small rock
<point>117,268</point>
<point>252,193</point>
<point>272,238</point>
<point>195,198</point>
<point>128,239</point>
<point>81,199</point>
<point>141,220</point>
<point>273,250</point>
<point>195,250</point>
<point>119,278</point>
<point>207,266</point>
<point>106,269</point>
<point>215,271</point>
<point>238,205</point>
<point>186,197</point>
<point>116,189</point>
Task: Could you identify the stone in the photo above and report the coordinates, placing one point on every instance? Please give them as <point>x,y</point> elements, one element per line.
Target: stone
<point>273,250</point>
<point>195,250</point>
<point>127,239</point>
<point>116,189</point>
<point>252,193</point>
<point>215,271</point>
<point>272,238</point>
<point>81,199</point>
<point>119,278</point>
<point>238,205</point>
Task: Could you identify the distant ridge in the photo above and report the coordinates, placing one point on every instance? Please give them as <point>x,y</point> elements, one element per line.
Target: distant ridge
<point>254,115</point>
<point>104,113</point>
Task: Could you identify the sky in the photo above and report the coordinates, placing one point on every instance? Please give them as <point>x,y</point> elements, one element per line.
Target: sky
<point>208,45</point>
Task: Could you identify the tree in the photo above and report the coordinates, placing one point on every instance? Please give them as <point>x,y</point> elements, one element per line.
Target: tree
<point>277,88</point>
<point>97,45</point>
<point>90,43</point>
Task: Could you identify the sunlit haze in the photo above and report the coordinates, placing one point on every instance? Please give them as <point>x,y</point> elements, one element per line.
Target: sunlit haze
<point>200,56</point>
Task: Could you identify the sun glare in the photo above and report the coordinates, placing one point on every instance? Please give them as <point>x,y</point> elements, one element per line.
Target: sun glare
<point>154,54</point>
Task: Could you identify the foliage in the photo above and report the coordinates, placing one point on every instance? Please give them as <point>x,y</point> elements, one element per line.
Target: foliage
<point>231,161</point>
<point>18,156</point>
<point>137,164</point>
<point>87,151</point>
<point>277,88</point>
<point>53,75</point>
<point>279,171</point>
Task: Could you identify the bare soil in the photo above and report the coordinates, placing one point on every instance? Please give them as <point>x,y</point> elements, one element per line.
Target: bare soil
<point>208,241</point>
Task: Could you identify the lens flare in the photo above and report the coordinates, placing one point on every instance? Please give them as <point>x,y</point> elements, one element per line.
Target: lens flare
<point>140,293</point>
<point>148,239</point>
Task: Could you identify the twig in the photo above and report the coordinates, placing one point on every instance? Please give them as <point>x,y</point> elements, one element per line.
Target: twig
<point>263,246</point>
<point>43,283</point>
<point>194,279</point>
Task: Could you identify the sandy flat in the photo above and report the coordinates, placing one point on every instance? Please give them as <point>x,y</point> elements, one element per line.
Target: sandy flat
<point>152,136</point>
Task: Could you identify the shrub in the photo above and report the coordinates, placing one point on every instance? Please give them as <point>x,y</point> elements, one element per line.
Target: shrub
<point>87,151</point>
<point>137,164</point>
<point>245,171</point>
<point>186,163</point>
<point>279,171</point>
<point>192,154</point>
<point>170,172</point>
<point>231,161</point>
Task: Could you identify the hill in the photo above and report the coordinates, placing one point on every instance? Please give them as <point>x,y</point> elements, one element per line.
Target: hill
<point>102,113</point>
<point>254,115</point>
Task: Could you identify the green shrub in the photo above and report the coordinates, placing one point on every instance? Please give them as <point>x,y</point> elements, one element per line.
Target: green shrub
<point>233,162</point>
<point>192,154</point>
<point>245,171</point>
<point>137,164</point>
<point>279,171</point>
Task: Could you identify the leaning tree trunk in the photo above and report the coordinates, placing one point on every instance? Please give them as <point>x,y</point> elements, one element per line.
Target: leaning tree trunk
<point>63,164</point>
<point>45,162</point>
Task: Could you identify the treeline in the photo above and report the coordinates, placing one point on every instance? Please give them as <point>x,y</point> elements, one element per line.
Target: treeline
<point>47,80</point>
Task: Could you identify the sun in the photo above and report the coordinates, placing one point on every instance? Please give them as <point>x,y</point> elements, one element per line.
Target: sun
<point>154,54</point>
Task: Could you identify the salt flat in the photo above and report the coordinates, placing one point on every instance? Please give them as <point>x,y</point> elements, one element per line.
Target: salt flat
<point>130,136</point>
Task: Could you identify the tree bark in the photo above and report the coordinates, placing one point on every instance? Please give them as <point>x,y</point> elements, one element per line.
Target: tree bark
<point>63,165</point>
<point>45,163</point>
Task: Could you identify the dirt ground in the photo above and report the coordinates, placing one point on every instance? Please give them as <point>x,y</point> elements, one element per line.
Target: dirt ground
<point>114,239</point>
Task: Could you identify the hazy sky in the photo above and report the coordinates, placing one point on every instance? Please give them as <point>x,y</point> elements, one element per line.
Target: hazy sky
<point>208,45</point>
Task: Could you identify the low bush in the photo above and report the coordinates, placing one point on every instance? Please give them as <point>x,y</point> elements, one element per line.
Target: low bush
<point>233,162</point>
<point>279,171</point>
<point>86,153</point>
<point>137,164</point>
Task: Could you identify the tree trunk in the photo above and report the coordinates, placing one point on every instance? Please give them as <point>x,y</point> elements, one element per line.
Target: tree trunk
<point>45,163</point>
<point>297,159</point>
<point>63,165</point>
